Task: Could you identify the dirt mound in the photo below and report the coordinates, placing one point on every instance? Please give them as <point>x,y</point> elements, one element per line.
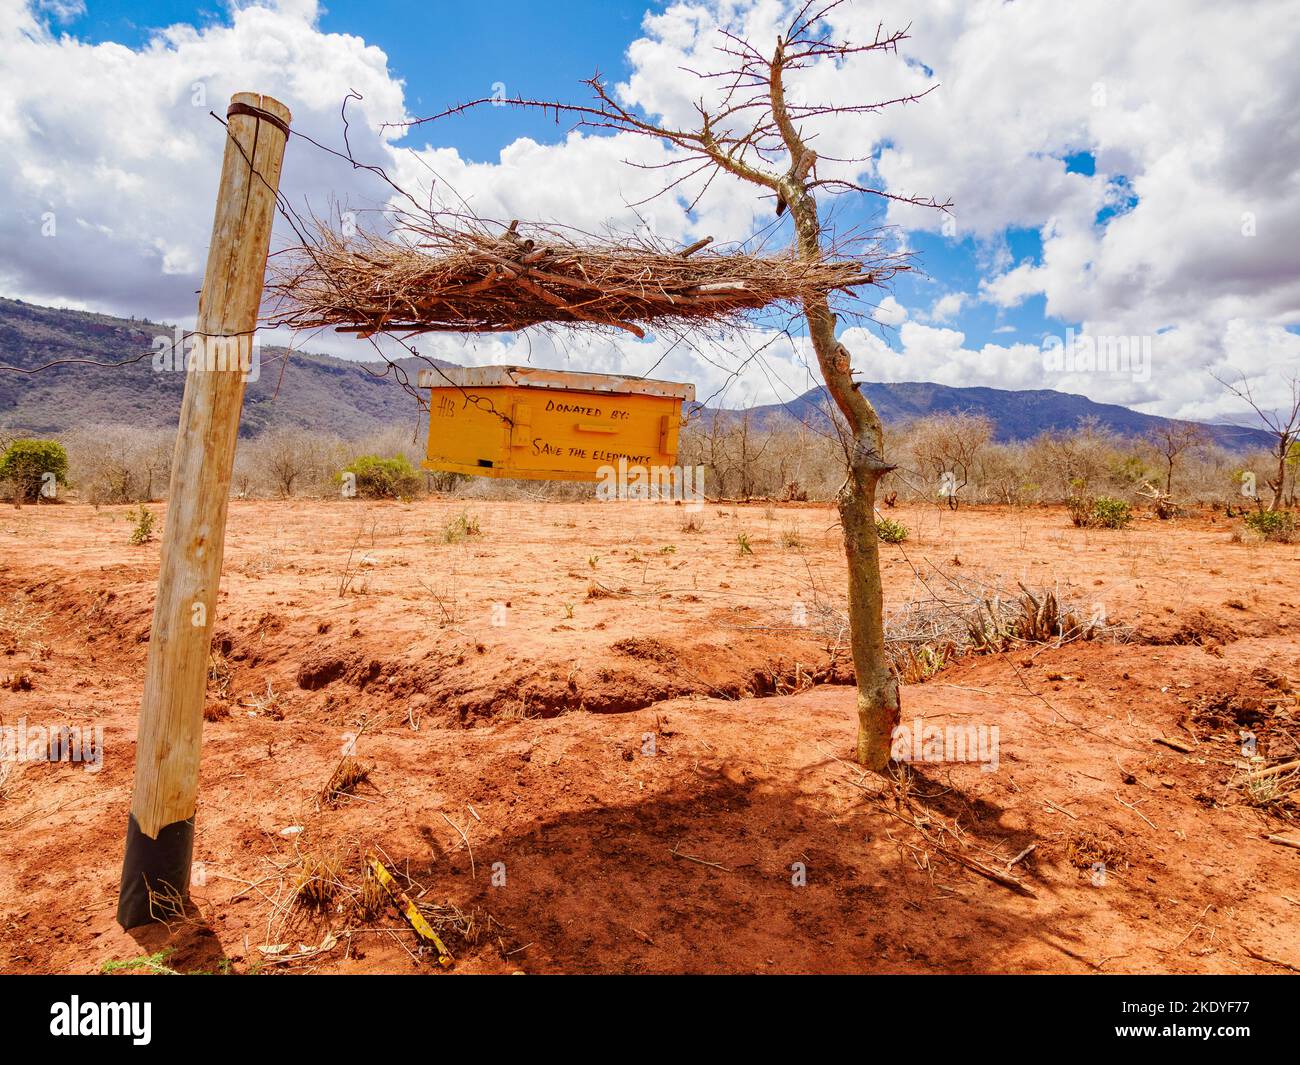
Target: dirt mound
<point>476,687</point>
<point>1260,703</point>
<point>1199,628</point>
<point>644,647</point>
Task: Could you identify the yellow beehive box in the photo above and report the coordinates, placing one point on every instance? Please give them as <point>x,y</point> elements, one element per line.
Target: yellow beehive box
<point>554,425</point>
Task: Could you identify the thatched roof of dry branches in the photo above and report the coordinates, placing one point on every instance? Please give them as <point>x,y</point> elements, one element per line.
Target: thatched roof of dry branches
<point>480,277</point>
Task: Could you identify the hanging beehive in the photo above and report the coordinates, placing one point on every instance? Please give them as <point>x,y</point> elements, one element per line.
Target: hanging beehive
<point>554,425</point>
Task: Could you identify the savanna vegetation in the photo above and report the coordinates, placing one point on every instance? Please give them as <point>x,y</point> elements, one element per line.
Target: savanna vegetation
<point>950,460</point>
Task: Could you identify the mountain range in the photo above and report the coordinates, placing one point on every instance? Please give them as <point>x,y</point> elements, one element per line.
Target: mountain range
<point>1016,415</point>
<point>353,399</point>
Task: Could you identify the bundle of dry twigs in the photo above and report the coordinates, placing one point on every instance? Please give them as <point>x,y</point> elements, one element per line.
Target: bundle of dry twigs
<point>479,277</point>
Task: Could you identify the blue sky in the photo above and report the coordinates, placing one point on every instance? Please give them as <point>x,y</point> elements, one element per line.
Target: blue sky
<point>445,53</point>
<point>1102,182</point>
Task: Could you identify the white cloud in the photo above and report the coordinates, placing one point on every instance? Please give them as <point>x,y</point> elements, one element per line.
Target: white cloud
<point>889,312</point>
<point>113,149</point>
<point>947,306</point>
<point>1195,104</point>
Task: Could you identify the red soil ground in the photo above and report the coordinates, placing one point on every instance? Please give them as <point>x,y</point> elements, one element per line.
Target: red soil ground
<point>632,731</point>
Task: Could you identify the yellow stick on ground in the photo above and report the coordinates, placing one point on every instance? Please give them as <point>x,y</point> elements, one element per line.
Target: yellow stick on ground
<point>409,911</point>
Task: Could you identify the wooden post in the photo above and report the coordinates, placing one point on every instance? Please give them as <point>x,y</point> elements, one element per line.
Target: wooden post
<point>160,830</point>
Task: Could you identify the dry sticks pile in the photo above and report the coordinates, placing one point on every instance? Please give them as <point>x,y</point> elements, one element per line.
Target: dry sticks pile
<point>479,277</point>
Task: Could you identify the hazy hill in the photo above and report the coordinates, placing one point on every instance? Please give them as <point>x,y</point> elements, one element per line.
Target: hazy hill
<point>315,391</point>
<point>1015,415</point>
<point>350,399</point>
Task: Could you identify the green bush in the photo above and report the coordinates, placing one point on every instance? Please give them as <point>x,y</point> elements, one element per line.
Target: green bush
<point>1103,512</point>
<point>378,478</point>
<point>1277,525</point>
<point>27,462</point>
<point>1107,512</point>
<point>891,532</point>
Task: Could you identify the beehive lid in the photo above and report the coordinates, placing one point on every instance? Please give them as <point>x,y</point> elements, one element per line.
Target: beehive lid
<point>535,377</point>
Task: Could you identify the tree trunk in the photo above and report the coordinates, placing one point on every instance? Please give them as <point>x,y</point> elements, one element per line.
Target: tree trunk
<point>879,706</point>
<point>1280,486</point>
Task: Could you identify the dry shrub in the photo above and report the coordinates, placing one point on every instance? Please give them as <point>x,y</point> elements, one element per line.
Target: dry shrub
<point>318,881</point>
<point>347,775</point>
<point>1277,794</point>
<point>916,663</point>
<point>371,899</point>
<point>1085,849</point>
<point>219,672</point>
<point>120,463</point>
<point>19,623</point>
<point>997,626</point>
<point>17,682</point>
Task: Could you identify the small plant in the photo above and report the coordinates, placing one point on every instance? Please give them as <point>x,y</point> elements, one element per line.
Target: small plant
<point>267,703</point>
<point>743,546</point>
<point>915,664</point>
<point>668,549</point>
<point>1266,792</point>
<point>317,881</point>
<point>351,570</point>
<point>1276,525</point>
<point>347,775</point>
<point>890,531</point>
<point>219,672</point>
<point>151,962</point>
<point>568,611</point>
<point>593,561</point>
<point>372,899</point>
<point>790,538</point>
<point>460,528</point>
<point>694,523</point>
<point>141,525</point>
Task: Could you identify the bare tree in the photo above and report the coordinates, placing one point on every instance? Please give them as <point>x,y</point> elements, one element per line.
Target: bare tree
<point>1077,460</point>
<point>753,130</point>
<point>947,446</point>
<point>1283,423</point>
<point>287,456</point>
<point>119,463</point>
<point>1172,439</point>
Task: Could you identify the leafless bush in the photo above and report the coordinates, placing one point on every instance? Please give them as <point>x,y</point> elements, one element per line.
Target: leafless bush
<point>119,463</point>
<point>747,456</point>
